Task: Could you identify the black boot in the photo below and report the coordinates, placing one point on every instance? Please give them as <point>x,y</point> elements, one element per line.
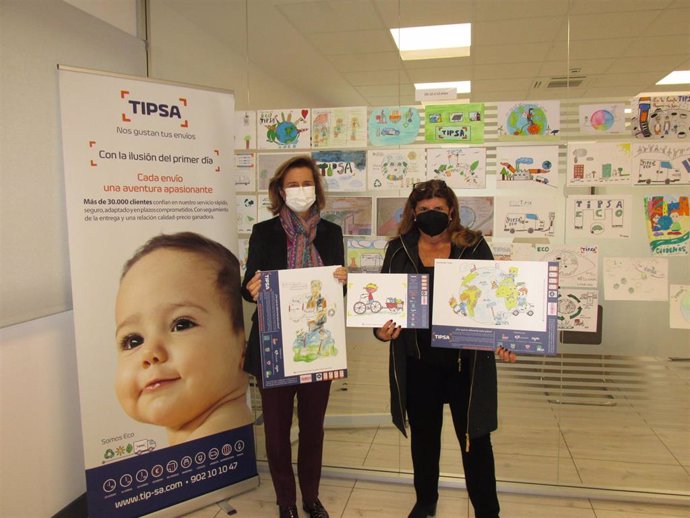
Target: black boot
<point>422,510</point>
<point>315,509</point>
<point>289,512</point>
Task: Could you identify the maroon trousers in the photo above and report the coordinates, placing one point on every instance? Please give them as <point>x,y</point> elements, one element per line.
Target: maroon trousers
<point>278,403</point>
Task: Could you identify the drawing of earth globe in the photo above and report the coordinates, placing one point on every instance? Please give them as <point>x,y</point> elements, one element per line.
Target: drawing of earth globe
<point>286,132</point>
<point>601,120</point>
<point>488,309</point>
<point>527,119</point>
<point>467,216</point>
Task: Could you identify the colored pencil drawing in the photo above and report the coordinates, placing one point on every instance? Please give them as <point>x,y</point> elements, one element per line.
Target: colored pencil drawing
<point>395,168</point>
<point>591,163</point>
<point>635,278</point>
<point>365,255</point>
<point>524,216</point>
<point>661,163</point>
<point>528,119</point>
<point>577,309</point>
<point>679,306</point>
<point>454,123</point>
<point>263,207</point>
<point>517,166</point>
<point>661,117</point>
<point>578,266</point>
<point>389,213</point>
<point>244,173</point>
<point>245,130</point>
<point>598,216</point>
<point>284,129</point>
<point>268,163</point>
<point>602,119</point>
<point>246,207</point>
<point>352,213</point>
<point>339,127</point>
<point>667,219</point>
<point>342,170</point>
<point>459,167</point>
<point>393,125</point>
<point>477,213</point>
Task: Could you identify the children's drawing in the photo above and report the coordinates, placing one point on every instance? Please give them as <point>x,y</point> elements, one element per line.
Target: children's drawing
<point>395,168</point>
<point>524,217</point>
<point>389,213</point>
<point>679,302</point>
<point>477,213</point>
<point>661,117</point>
<point>577,309</point>
<point>598,216</point>
<point>459,167</point>
<point>528,119</point>
<point>667,219</point>
<point>268,164</point>
<point>454,123</point>
<point>339,127</point>
<point>352,213</point>
<point>244,173</point>
<point>661,163</point>
<point>246,207</point>
<point>518,166</point>
<point>373,299</point>
<point>342,170</point>
<point>635,278</point>
<point>602,119</point>
<point>365,255</point>
<point>284,129</point>
<point>264,207</point>
<point>245,130</point>
<point>591,163</point>
<point>503,251</point>
<point>242,254</point>
<point>516,299</point>
<point>578,266</point>
<point>393,125</point>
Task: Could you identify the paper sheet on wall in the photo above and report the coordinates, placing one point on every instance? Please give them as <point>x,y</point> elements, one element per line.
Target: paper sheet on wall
<point>635,278</point>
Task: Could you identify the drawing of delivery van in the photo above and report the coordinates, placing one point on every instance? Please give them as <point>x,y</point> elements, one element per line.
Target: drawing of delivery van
<point>528,222</point>
<point>658,171</point>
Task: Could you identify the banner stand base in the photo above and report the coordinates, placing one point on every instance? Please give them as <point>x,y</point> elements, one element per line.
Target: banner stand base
<point>227,508</point>
<point>219,496</point>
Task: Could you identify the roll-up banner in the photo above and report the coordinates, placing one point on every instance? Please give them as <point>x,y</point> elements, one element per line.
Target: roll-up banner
<point>157,315</point>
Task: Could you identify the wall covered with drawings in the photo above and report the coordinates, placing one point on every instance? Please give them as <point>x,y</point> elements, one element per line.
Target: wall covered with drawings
<point>602,186</point>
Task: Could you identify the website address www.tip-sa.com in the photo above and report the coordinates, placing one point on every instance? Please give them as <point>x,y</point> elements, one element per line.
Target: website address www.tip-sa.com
<point>145,495</point>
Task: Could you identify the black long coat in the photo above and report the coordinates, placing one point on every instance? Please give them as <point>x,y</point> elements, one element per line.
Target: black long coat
<point>402,256</point>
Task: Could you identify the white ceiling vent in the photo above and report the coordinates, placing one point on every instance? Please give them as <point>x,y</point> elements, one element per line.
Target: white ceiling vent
<point>559,82</point>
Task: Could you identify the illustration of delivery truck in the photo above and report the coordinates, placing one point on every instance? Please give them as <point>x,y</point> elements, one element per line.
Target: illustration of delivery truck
<point>528,222</point>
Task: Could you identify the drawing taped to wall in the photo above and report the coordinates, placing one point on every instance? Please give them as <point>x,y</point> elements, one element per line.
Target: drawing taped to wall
<point>524,217</point>
<point>365,255</point>
<point>578,266</point>
<point>263,209</point>
<point>635,278</point>
<point>598,216</point>
<point>679,306</point>
<point>659,116</point>
<point>389,213</point>
<point>528,119</point>
<point>477,213</point>
<point>246,207</point>
<point>518,166</point>
<point>245,130</point>
<point>598,163</point>
<point>393,125</point>
<point>244,173</point>
<point>268,164</point>
<point>602,119</point>
<point>339,127</point>
<point>395,168</point>
<point>661,163</point>
<point>284,129</point>
<point>342,170</point>
<point>459,167</point>
<point>577,309</point>
<point>454,123</point>
<point>667,219</point>
<point>352,213</point>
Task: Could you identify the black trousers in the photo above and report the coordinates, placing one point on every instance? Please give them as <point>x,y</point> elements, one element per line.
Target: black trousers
<point>429,387</point>
<point>278,404</point>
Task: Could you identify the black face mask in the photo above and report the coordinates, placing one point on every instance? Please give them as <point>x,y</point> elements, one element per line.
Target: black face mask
<point>432,222</point>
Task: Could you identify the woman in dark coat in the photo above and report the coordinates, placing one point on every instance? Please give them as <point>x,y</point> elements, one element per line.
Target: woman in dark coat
<point>424,378</point>
<point>296,238</point>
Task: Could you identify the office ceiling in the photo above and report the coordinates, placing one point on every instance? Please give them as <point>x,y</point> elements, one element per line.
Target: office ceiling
<point>342,52</point>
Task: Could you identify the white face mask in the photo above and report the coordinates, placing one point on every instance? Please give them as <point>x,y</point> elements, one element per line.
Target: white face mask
<point>299,199</point>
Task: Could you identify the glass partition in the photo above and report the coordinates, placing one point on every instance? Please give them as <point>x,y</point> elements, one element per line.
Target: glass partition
<point>609,413</point>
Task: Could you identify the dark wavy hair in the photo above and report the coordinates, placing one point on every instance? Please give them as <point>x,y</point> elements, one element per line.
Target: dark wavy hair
<point>276,183</point>
<point>459,234</point>
<point>228,267</point>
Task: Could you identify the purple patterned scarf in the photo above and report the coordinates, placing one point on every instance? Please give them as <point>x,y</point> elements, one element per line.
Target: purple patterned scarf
<point>300,238</point>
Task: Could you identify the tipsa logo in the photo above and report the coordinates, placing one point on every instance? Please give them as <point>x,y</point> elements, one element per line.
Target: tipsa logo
<point>267,282</point>
<point>441,337</point>
<point>152,108</point>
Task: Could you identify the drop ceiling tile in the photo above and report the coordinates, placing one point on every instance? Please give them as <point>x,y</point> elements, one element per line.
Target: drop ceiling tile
<point>383,77</point>
<point>506,72</point>
<point>498,86</point>
<point>639,78</point>
<point>517,53</point>
<point>386,90</point>
<point>655,46</point>
<point>347,42</point>
<point>611,25</point>
<point>578,66</point>
<point>615,6</point>
<point>320,16</point>
<point>487,10</point>
<point>433,75</point>
<point>586,49</point>
<point>670,21</point>
<point>366,62</point>
<point>417,64</point>
<point>536,29</point>
<point>416,13</point>
<point>635,64</point>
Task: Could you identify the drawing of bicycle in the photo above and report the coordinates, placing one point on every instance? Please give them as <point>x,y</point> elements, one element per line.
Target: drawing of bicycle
<point>363,304</point>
